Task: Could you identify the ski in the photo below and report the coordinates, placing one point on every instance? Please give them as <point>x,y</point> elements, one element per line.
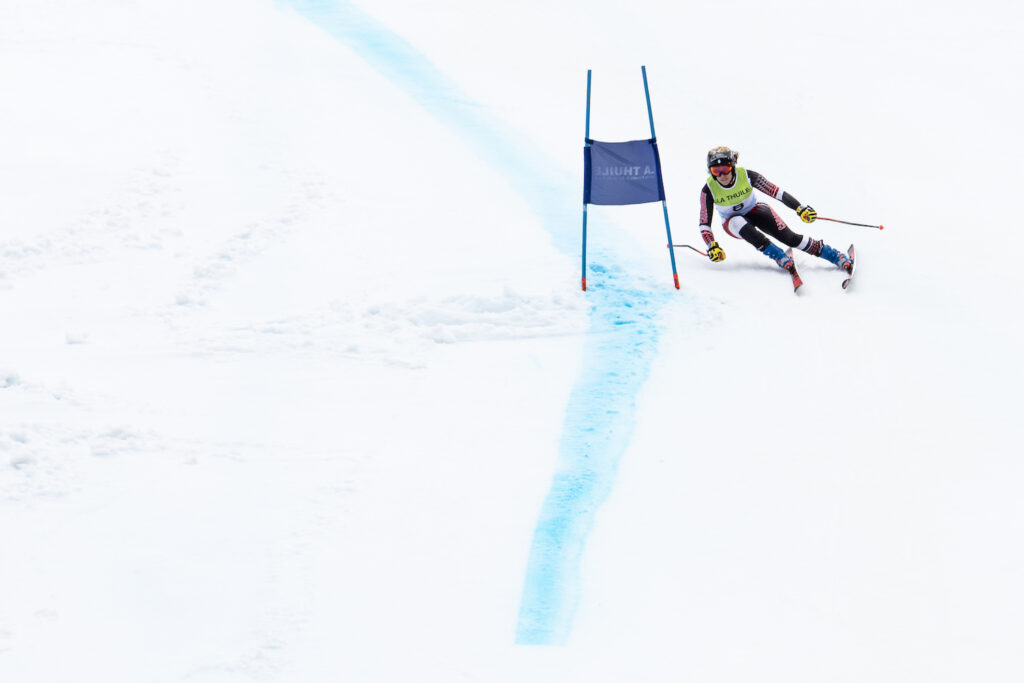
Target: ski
<point>797,282</point>
<point>853,267</point>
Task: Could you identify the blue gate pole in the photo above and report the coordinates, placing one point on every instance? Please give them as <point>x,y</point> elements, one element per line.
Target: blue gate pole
<point>586,144</point>
<point>664,204</point>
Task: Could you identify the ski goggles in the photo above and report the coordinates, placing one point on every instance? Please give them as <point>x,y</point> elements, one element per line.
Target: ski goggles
<point>721,170</point>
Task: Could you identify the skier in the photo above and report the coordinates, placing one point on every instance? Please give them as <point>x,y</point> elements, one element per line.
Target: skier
<point>730,189</point>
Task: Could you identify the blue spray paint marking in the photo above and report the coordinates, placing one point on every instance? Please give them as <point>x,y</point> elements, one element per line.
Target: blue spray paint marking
<point>620,345</point>
<point>617,356</point>
<point>489,138</point>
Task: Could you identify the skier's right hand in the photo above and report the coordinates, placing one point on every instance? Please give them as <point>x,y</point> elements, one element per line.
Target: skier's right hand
<point>715,252</point>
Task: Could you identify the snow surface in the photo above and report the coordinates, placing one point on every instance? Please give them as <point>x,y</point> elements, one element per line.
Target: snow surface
<point>297,382</point>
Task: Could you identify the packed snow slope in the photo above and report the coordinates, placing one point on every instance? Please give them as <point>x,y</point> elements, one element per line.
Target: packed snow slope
<point>297,382</point>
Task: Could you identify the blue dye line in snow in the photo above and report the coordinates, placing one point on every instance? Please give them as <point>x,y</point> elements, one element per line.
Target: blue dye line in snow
<point>617,355</point>
<point>621,342</point>
<point>488,137</point>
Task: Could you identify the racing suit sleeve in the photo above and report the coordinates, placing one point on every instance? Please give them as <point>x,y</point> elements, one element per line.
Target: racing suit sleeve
<point>762,184</point>
<point>706,207</point>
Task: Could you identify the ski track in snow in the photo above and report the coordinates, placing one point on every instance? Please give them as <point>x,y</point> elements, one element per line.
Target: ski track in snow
<point>397,333</point>
<point>145,221</point>
<point>621,342</point>
<point>48,454</point>
<point>212,269</point>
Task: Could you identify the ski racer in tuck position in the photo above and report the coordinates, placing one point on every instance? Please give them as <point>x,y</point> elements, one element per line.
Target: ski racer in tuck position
<point>730,189</point>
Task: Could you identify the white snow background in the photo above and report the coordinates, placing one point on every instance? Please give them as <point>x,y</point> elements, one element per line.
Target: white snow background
<point>293,346</point>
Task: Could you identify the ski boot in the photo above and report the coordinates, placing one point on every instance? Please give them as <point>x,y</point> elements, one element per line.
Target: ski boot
<point>784,260</point>
<point>837,257</point>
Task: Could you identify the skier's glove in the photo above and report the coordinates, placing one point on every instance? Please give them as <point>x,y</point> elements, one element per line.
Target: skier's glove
<point>715,252</point>
<point>806,213</point>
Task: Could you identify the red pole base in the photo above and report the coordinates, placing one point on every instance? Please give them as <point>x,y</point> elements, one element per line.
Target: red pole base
<point>584,284</point>
<point>676,276</point>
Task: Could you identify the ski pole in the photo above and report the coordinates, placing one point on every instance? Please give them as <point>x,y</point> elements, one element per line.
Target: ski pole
<point>702,253</point>
<point>863,225</point>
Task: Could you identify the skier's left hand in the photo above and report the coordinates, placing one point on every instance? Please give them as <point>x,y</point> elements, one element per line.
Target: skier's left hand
<point>806,213</point>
